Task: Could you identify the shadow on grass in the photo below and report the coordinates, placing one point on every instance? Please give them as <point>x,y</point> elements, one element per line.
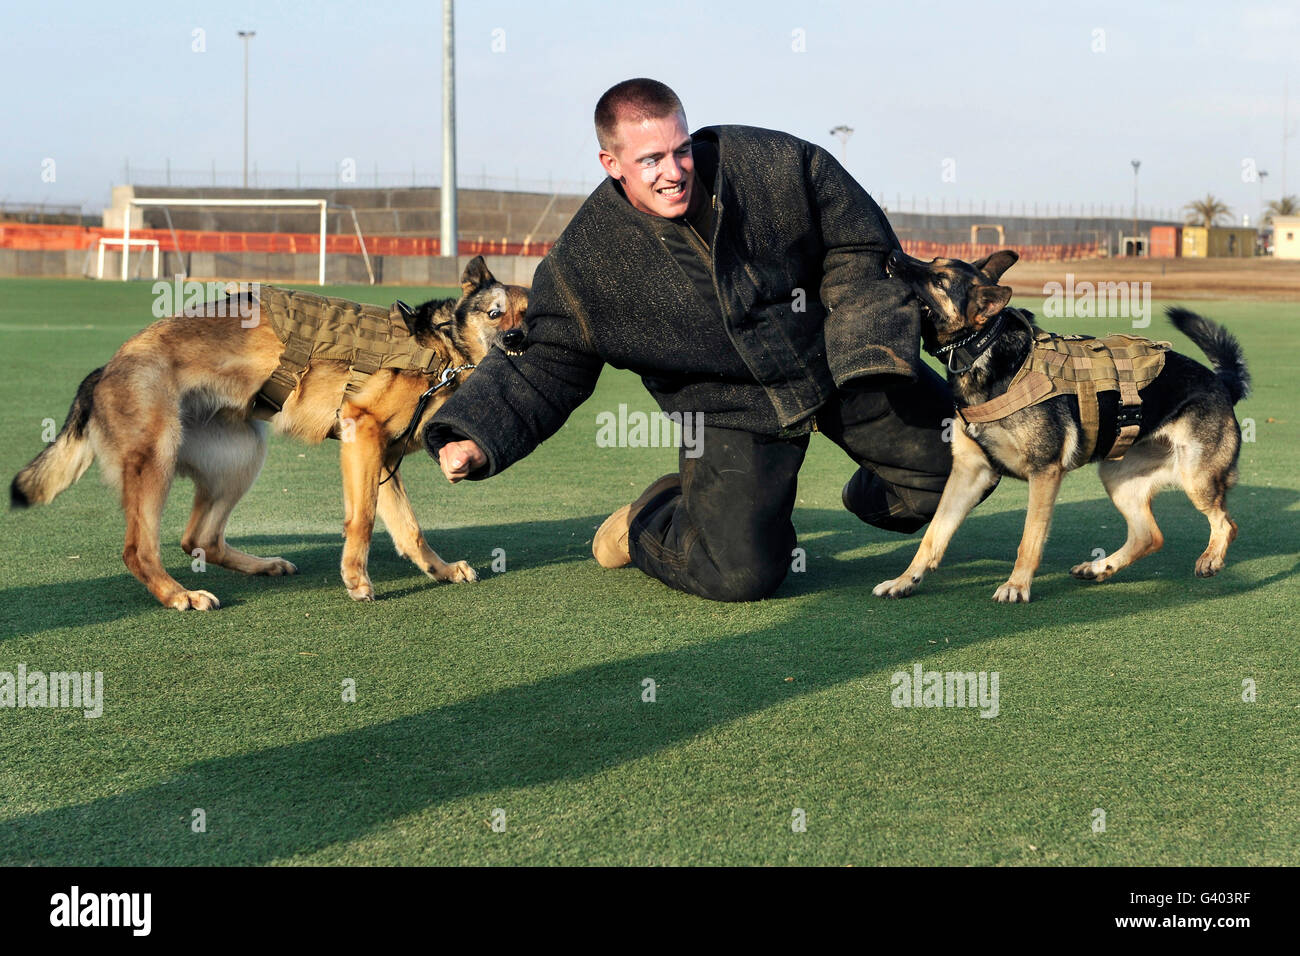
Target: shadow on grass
<point>287,800</point>
<point>986,536</point>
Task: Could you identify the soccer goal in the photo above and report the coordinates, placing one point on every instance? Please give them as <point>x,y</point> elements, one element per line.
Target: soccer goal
<point>322,204</point>
<point>104,241</point>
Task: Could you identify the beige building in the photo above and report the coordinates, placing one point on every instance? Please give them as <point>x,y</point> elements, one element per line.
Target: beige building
<point>1286,237</point>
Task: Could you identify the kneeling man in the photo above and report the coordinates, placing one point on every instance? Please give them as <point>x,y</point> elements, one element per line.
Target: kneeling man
<point>741,273</point>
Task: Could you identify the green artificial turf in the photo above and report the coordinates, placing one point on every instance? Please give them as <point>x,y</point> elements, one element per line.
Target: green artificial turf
<point>523,693</point>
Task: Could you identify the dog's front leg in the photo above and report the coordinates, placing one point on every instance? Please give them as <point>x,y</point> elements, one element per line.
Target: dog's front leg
<point>395,511</point>
<point>360,455</point>
<point>1043,487</point>
<point>972,476</point>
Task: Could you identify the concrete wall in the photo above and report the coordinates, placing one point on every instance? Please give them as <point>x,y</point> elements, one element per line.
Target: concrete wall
<point>487,214</point>
<point>1019,230</point>
<point>496,214</point>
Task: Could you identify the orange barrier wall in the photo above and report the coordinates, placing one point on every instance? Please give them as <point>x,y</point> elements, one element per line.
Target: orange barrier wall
<point>32,236</point>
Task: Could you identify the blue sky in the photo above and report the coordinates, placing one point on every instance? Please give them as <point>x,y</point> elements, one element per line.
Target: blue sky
<point>1013,93</point>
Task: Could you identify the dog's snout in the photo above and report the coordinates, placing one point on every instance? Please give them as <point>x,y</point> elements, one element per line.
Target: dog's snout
<point>512,341</point>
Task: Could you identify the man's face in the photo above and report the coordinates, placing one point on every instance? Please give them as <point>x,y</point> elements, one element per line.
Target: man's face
<point>652,160</point>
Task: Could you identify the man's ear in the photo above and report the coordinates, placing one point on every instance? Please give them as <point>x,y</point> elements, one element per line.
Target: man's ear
<point>476,275</point>
<point>999,262</point>
<point>611,165</point>
<point>985,302</point>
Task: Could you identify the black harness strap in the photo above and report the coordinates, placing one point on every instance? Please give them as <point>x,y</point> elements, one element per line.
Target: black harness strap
<point>421,404</point>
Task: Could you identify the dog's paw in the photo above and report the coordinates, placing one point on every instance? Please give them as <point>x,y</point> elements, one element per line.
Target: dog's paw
<point>278,566</point>
<point>1208,565</point>
<point>362,592</point>
<point>195,601</point>
<point>1012,594</point>
<point>900,587</point>
<point>460,572</point>
<point>1092,571</point>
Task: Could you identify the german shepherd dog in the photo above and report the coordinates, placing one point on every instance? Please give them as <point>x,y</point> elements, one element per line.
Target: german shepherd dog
<point>177,398</point>
<point>1188,435</point>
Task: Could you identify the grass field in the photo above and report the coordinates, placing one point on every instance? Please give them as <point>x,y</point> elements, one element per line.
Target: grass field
<point>523,693</point>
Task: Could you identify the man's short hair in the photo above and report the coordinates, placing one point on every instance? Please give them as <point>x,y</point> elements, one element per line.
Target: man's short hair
<point>637,99</point>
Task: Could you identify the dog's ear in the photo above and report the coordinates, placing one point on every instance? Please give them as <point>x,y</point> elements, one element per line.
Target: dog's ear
<point>399,311</point>
<point>985,302</point>
<point>476,275</point>
<point>999,262</point>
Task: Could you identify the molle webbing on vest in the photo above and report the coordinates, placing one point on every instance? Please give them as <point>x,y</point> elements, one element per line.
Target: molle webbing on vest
<point>314,329</point>
<point>1081,365</point>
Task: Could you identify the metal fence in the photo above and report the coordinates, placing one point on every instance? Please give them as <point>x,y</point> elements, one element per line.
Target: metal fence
<point>58,213</point>
<point>353,177</point>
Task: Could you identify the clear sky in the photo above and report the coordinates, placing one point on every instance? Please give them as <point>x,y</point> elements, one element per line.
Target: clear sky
<point>1029,101</point>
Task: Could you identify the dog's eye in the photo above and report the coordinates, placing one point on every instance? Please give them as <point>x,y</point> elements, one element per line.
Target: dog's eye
<point>495,314</point>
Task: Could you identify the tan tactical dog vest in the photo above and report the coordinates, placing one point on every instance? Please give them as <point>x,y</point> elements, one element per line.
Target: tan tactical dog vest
<point>1081,365</point>
<point>314,328</point>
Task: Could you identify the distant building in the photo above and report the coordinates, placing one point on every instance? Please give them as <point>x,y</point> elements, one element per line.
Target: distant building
<point>1286,237</point>
<point>1218,242</point>
<point>1166,242</point>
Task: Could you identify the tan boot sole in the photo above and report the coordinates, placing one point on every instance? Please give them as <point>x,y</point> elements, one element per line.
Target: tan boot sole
<point>610,546</point>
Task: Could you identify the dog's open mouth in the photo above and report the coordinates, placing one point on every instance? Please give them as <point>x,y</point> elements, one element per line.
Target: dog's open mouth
<point>512,342</point>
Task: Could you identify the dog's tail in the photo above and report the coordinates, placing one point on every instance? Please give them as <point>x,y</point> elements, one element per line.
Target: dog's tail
<point>65,459</point>
<point>1219,346</point>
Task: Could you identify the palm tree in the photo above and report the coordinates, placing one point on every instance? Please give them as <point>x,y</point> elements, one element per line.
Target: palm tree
<point>1207,211</point>
<point>1286,206</point>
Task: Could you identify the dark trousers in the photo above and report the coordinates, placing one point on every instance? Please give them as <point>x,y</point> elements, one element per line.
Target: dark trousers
<point>724,532</point>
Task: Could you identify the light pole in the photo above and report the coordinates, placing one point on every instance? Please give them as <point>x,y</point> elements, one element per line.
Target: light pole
<point>842,133</point>
<point>246,35</point>
<point>1261,175</point>
<point>1287,130</point>
<point>450,233</point>
<point>1136,163</point>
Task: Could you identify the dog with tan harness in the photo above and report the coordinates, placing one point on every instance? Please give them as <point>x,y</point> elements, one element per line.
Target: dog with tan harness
<point>1036,405</point>
<point>183,397</point>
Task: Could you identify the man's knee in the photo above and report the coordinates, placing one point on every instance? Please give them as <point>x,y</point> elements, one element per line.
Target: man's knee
<point>890,506</point>
<point>896,506</point>
<point>751,582</point>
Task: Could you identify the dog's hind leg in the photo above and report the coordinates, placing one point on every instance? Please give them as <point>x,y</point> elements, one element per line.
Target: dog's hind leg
<point>1043,488</point>
<point>1206,483</point>
<point>223,456</point>
<point>1132,482</point>
<point>395,510</point>
<point>971,477</point>
<point>146,479</point>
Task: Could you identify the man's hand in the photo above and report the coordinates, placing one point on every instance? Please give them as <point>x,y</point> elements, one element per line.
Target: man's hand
<point>459,458</point>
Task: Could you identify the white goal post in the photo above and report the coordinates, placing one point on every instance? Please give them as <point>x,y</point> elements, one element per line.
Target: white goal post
<point>103,241</point>
<point>322,204</point>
